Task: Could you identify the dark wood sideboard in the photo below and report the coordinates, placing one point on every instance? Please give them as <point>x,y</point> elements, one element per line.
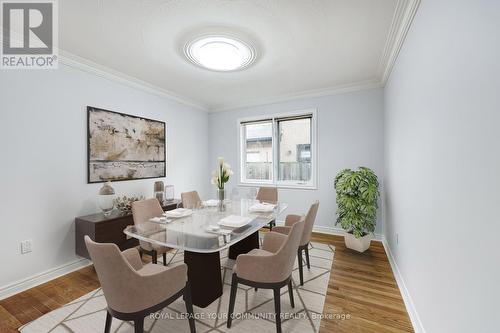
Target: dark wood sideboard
<point>108,229</point>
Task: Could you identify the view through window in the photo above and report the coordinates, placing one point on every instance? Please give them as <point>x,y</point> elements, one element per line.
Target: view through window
<point>259,151</point>
<point>278,151</point>
<point>295,150</point>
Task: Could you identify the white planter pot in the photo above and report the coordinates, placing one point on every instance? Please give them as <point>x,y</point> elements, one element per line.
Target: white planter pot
<point>357,244</point>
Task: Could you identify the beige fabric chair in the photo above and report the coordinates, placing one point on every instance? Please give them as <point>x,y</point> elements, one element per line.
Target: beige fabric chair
<point>142,211</point>
<point>190,199</point>
<point>133,290</point>
<point>306,236</point>
<point>269,195</point>
<point>268,268</point>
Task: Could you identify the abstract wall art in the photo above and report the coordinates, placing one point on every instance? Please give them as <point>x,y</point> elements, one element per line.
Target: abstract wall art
<point>124,147</point>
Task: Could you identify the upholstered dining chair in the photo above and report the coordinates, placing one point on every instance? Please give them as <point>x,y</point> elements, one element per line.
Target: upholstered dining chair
<point>306,236</point>
<point>269,195</point>
<point>268,268</point>
<point>133,290</point>
<point>142,211</point>
<point>190,199</point>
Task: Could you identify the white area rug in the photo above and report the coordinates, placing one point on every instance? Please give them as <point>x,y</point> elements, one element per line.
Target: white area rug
<point>255,308</point>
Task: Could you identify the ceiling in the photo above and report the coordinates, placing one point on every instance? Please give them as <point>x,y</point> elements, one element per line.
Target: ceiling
<point>304,47</point>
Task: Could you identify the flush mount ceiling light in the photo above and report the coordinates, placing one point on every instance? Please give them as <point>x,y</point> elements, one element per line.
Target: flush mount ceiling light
<point>220,53</point>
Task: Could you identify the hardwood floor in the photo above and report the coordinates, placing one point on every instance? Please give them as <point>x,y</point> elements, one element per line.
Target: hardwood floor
<point>27,306</point>
<point>362,288</point>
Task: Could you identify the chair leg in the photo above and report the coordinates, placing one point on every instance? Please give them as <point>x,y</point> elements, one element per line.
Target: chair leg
<point>307,256</point>
<point>256,288</point>
<point>290,292</point>
<point>107,326</point>
<point>139,325</point>
<point>140,253</point>
<point>189,307</point>
<point>232,299</point>
<point>154,256</point>
<point>165,259</point>
<point>301,273</point>
<point>277,309</point>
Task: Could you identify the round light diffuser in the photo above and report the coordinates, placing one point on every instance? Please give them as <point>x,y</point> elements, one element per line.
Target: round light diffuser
<point>220,53</point>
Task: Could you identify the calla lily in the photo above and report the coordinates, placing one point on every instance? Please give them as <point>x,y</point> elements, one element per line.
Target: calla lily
<point>222,174</point>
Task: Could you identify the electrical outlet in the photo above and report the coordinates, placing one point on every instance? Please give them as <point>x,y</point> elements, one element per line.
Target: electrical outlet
<point>397,238</point>
<point>26,246</point>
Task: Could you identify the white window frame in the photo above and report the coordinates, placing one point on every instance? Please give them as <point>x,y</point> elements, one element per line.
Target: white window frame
<point>312,183</point>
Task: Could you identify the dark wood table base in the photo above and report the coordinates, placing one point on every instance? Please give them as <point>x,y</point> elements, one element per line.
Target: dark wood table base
<point>204,275</point>
<point>244,246</point>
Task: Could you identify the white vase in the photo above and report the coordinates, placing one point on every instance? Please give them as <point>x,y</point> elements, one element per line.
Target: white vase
<point>357,244</point>
<point>106,198</point>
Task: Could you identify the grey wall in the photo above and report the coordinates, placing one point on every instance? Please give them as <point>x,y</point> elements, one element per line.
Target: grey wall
<point>442,165</point>
<point>350,134</point>
<point>43,159</point>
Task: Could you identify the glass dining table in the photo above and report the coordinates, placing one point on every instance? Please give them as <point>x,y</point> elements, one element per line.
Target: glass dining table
<point>202,238</point>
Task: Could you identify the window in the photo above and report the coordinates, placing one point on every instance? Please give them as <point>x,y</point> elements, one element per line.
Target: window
<point>278,151</point>
<point>258,148</point>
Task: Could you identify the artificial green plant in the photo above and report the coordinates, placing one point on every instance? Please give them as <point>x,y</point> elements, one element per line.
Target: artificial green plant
<point>357,200</point>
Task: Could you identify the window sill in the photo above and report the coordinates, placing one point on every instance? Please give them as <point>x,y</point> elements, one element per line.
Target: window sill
<point>279,186</point>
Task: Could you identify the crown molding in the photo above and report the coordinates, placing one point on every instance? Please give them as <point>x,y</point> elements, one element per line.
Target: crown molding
<point>86,65</point>
<point>400,25</point>
<point>401,22</point>
<point>334,90</point>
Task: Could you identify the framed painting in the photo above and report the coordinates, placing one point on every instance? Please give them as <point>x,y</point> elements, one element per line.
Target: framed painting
<point>124,147</point>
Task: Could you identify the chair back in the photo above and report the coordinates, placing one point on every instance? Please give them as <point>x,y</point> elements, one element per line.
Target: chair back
<point>309,223</point>
<point>285,256</point>
<point>115,274</point>
<point>144,210</point>
<point>190,199</point>
<point>268,194</point>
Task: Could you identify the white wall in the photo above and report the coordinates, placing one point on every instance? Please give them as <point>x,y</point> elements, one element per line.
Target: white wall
<point>350,134</point>
<point>43,159</point>
<point>443,165</point>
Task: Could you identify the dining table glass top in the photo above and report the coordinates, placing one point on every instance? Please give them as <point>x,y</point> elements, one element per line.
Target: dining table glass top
<point>195,232</point>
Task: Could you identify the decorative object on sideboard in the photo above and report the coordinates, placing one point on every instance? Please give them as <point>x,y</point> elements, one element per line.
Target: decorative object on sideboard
<point>124,204</point>
<point>108,229</point>
<point>124,147</point>
<point>169,193</point>
<point>159,191</point>
<point>219,178</point>
<point>357,202</point>
<point>106,198</point>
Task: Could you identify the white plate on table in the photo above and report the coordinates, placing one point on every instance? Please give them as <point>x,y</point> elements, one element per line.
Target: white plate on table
<point>211,203</point>
<point>262,208</point>
<point>234,221</point>
<point>215,229</point>
<point>162,219</point>
<point>178,213</point>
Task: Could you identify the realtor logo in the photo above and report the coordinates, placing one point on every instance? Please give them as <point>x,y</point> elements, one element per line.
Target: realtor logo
<point>29,34</point>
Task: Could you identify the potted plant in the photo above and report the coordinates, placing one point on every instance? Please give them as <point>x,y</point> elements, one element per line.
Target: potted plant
<point>357,201</point>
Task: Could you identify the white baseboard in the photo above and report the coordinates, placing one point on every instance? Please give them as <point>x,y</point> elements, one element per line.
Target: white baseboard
<point>331,230</point>
<point>338,231</point>
<point>42,277</point>
<point>56,272</point>
<point>410,307</point>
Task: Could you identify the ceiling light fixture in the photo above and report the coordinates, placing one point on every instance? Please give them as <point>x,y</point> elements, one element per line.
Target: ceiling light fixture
<point>220,53</point>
